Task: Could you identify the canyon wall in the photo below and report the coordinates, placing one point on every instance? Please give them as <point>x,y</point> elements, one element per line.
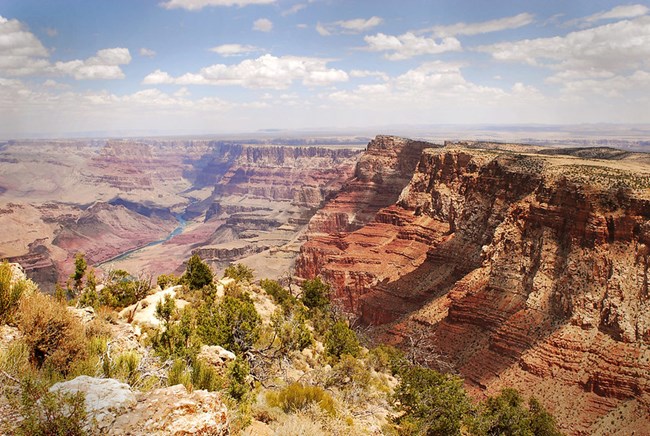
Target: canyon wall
<point>103,198</point>
<point>513,270</point>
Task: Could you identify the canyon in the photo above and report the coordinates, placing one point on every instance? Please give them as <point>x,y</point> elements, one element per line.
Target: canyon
<point>508,264</point>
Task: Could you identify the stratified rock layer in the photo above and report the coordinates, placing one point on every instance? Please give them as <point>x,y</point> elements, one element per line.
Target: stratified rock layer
<point>515,270</point>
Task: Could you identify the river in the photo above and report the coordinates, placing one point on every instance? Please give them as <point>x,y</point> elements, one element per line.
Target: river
<point>177,231</point>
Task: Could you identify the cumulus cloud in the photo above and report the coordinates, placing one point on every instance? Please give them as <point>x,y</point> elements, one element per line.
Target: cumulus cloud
<point>367,73</point>
<point>263,25</point>
<point>228,50</point>
<point>104,65</point>
<point>266,71</point>
<point>497,25</point>
<point>196,5</point>
<point>147,52</point>
<point>356,25</point>
<point>618,46</point>
<point>409,45</point>
<point>22,54</point>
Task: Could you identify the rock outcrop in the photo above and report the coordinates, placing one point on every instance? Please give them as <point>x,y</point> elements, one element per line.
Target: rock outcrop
<point>115,409</point>
<point>514,270</point>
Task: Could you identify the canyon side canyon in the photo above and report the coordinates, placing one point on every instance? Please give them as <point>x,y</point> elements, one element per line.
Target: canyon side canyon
<point>510,265</point>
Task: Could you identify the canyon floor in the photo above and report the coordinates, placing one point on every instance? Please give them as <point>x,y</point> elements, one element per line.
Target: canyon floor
<point>509,264</point>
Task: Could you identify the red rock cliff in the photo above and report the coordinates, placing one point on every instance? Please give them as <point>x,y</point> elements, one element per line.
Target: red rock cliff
<point>515,270</point>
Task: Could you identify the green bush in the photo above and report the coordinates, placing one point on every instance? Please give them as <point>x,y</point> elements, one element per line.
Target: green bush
<point>315,294</point>
<point>77,276</point>
<point>204,376</point>
<point>54,336</point>
<point>51,413</point>
<point>297,396</point>
<point>291,331</point>
<point>233,323</point>
<point>121,289</point>
<point>239,272</point>
<point>387,358</point>
<point>340,340</point>
<point>179,374</point>
<point>432,403</point>
<point>238,372</point>
<point>10,293</point>
<point>507,414</point>
<point>167,280</point>
<point>197,274</point>
<point>280,295</point>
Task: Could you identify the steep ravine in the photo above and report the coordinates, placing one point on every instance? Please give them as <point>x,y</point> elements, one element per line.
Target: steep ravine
<point>512,269</point>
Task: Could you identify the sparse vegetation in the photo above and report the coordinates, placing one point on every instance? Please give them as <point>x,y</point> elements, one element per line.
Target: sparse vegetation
<point>340,340</point>
<point>10,292</point>
<point>239,272</point>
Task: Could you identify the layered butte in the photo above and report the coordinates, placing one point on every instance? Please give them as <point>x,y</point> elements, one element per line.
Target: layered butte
<point>514,266</point>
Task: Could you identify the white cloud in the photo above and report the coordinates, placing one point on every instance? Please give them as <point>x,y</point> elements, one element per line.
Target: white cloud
<point>266,71</point>
<point>105,65</point>
<point>196,5</point>
<point>228,50</point>
<point>21,53</point>
<point>359,25</point>
<point>322,30</point>
<point>356,25</point>
<point>409,45</point>
<point>618,46</point>
<point>617,13</point>
<point>367,73</point>
<point>263,25</point>
<point>513,22</point>
<point>294,9</point>
<point>147,52</point>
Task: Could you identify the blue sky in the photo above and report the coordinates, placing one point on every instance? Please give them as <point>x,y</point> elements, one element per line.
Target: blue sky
<point>213,66</point>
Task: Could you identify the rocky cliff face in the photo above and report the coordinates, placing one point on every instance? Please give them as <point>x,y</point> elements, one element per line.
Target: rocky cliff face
<point>522,270</point>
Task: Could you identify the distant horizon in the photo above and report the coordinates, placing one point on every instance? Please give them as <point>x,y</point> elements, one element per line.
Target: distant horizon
<point>586,129</point>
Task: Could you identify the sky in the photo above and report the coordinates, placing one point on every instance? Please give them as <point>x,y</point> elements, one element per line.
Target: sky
<point>226,66</point>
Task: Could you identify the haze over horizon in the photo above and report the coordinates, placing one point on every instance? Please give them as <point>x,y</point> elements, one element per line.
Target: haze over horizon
<point>209,66</point>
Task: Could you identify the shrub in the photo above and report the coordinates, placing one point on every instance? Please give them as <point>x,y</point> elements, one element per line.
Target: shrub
<point>386,357</point>
<point>48,413</point>
<point>233,323</point>
<point>239,272</point>
<point>432,403</point>
<point>280,295</point>
<point>121,289</point>
<point>315,294</point>
<point>178,374</point>
<point>54,336</point>
<point>10,293</point>
<point>204,376</point>
<point>197,274</point>
<point>238,372</point>
<point>340,340</point>
<point>291,331</point>
<point>349,372</point>
<point>297,397</point>
<point>77,276</point>
<point>506,414</point>
<point>167,280</point>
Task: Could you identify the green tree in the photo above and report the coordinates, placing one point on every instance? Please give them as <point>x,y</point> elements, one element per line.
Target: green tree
<point>77,276</point>
<point>315,294</point>
<point>340,340</point>
<point>233,323</point>
<point>433,403</point>
<point>121,289</point>
<point>280,295</point>
<point>197,274</point>
<point>239,272</point>
<point>238,372</point>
